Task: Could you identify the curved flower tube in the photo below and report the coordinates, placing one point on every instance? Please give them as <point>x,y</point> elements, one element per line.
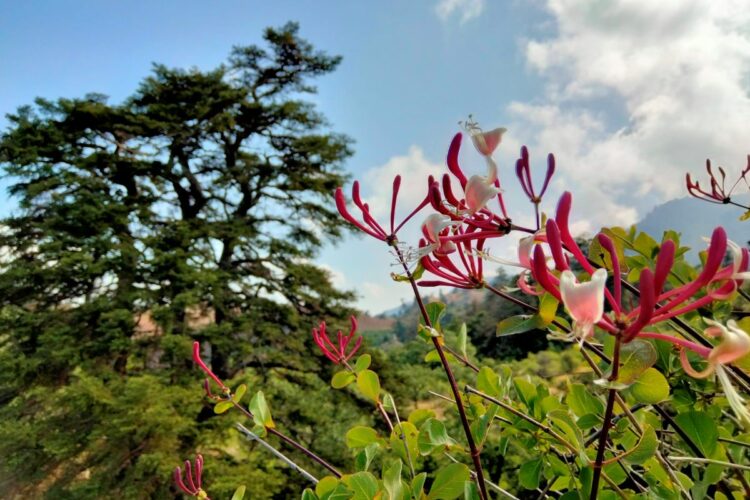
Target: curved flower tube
<point>735,343</point>
<point>342,351</point>
<point>191,484</point>
<point>583,301</point>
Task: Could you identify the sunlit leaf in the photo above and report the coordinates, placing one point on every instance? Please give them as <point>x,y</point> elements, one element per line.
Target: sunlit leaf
<point>449,482</point>
<point>369,384</point>
<point>261,411</point>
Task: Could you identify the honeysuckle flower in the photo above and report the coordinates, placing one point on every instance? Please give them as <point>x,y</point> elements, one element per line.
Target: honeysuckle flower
<point>466,272</point>
<point>343,350</point>
<point>740,261</point>
<point>479,189</point>
<point>583,301</point>
<point>433,225</point>
<point>735,343</point>
<point>655,304</point>
<point>485,142</point>
<point>192,484</point>
<point>198,361</point>
<point>718,193</point>
<point>523,172</point>
<point>368,224</point>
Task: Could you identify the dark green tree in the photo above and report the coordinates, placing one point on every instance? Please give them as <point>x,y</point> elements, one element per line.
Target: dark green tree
<point>191,211</point>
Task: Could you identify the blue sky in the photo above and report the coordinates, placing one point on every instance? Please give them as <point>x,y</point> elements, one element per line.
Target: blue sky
<point>629,95</point>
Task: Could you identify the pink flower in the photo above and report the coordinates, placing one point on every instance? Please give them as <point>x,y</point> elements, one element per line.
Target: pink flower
<point>718,193</point>
<point>479,190</point>
<point>368,224</point>
<point>584,301</point>
<point>337,352</point>
<point>523,172</point>
<point>198,361</point>
<point>433,225</point>
<point>655,304</point>
<point>192,483</point>
<point>485,142</point>
<point>735,344</point>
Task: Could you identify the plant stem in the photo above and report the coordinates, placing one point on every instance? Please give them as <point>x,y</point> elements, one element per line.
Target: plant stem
<point>402,435</point>
<point>451,379</point>
<point>521,415</point>
<point>607,420</point>
<point>291,442</point>
<point>542,427</point>
<point>254,437</point>
<point>730,465</point>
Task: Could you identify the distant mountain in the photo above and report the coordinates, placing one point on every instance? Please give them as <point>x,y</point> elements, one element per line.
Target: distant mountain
<point>695,219</point>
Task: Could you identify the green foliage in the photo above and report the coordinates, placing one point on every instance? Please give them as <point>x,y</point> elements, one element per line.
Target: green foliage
<point>172,216</point>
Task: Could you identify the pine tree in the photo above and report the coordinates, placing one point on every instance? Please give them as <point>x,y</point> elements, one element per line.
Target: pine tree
<point>191,211</point>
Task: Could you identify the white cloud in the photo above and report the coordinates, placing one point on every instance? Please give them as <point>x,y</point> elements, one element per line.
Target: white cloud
<point>675,74</point>
<point>466,9</point>
<point>414,168</point>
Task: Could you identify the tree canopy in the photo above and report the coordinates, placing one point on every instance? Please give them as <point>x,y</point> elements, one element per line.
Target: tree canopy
<point>190,211</point>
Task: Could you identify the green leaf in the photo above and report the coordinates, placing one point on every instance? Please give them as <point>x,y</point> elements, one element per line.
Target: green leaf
<point>363,459</point>
<point>530,473</point>
<point>650,388</point>
<point>342,378</point>
<point>392,480</point>
<point>561,419</point>
<point>308,494</point>
<point>701,429</point>
<point>433,436</point>
<point>462,340</point>
<point>411,436</point>
<point>417,485</point>
<point>369,384</point>
<point>239,392</point>
<point>239,493</point>
<point>635,358</point>
<point>326,485</point>
<point>582,402</point>
<point>434,357</point>
<point>449,482</point>
<point>488,382</point>
<point>526,391</point>
<point>416,274</point>
<point>222,406</point>
<point>471,492</point>
<point>481,425</point>
<point>419,416</point>
<point>363,363</point>
<point>547,308</point>
<point>360,436</point>
<point>261,411</point>
<point>644,449</point>
<point>745,216</point>
<point>435,311</point>
<point>519,324</point>
<point>363,485</point>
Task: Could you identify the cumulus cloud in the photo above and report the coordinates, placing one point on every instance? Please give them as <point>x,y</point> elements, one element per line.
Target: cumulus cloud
<point>414,169</point>
<point>465,9</point>
<point>639,92</point>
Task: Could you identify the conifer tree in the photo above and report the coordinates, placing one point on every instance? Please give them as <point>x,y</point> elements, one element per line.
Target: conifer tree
<point>191,211</point>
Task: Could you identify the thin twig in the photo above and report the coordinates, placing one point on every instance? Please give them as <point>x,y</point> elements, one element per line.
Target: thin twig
<point>474,451</point>
<point>254,437</point>
<point>710,461</point>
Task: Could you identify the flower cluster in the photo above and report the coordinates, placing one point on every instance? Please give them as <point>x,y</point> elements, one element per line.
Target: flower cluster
<point>191,485</point>
<point>343,350</point>
<point>586,301</point>
<point>718,192</point>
